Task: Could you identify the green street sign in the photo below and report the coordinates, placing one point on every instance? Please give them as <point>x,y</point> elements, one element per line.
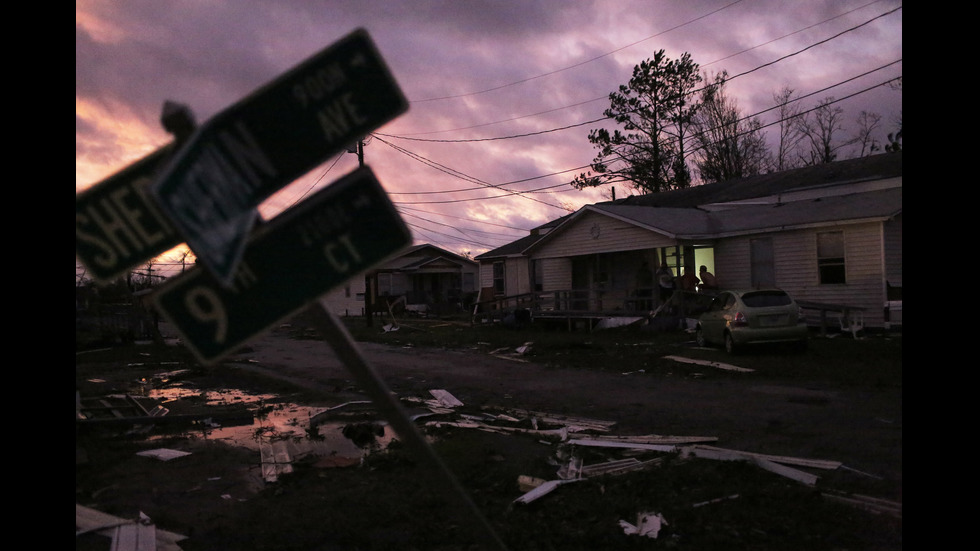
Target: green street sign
<point>343,230</point>
<point>270,138</point>
<point>117,225</point>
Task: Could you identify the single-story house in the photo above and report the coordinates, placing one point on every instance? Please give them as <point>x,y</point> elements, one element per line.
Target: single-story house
<point>424,279</point>
<point>830,235</point>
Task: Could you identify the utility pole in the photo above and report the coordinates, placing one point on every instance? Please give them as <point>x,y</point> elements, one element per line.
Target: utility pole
<point>368,291</point>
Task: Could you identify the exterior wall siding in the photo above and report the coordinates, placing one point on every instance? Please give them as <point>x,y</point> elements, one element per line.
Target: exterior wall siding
<point>557,274</point>
<point>613,235</point>
<point>795,254</point>
<point>340,304</point>
<point>893,251</point>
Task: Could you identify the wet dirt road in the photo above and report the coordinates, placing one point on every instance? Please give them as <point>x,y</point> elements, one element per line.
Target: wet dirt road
<point>860,427</point>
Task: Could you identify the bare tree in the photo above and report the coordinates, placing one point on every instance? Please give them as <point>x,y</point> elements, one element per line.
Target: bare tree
<point>789,131</point>
<point>729,145</point>
<point>868,123</point>
<point>820,129</point>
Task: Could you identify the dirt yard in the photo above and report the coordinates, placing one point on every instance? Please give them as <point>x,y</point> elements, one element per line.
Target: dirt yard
<point>214,498</point>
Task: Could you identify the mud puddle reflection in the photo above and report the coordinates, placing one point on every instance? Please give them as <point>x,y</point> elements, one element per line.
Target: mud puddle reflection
<point>285,433</point>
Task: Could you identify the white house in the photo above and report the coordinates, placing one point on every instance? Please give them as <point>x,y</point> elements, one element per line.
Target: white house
<point>423,278</point>
<point>830,235</point>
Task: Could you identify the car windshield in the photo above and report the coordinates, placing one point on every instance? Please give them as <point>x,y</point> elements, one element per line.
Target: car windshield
<point>757,299</point>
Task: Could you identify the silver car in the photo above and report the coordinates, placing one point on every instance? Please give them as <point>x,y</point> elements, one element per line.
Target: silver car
<point>737,318</point>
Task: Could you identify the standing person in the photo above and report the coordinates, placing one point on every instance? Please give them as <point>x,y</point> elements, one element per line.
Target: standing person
<point>689,281</point>
<point>708,280</point>
<point>665,281</point>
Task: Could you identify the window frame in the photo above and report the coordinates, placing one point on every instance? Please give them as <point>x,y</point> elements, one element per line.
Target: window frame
<point>831,258</point>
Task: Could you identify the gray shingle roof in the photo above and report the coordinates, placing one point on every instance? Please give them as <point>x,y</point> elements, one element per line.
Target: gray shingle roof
<point>678,214</point>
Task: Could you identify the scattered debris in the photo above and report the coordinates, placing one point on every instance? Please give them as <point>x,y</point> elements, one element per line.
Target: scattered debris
<point>620,321</point>
<point>719,365</point>
<point>543,489</point>
<point>125,534</point>
<point>619,466</point>
<point>648,524</point>
<point>656,439</point>
<point>706,452</point>
<point>632,445</point>
<point>717,500</point>
<point>445,399</point>
<point>527,483</point>
<point>801,462</point>
<point>275,460</point>
<point>872,504</point>
<point>571,470</point>
<point>574,424</point>
<point>163,454</point>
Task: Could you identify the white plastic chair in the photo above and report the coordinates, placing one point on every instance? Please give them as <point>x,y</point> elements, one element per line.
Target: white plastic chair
<point>852,323</point>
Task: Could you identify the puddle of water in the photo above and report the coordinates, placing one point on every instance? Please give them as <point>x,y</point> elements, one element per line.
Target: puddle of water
<point>281,432</point>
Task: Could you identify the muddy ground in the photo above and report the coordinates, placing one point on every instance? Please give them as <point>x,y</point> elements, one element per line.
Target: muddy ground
<point>217,499</point>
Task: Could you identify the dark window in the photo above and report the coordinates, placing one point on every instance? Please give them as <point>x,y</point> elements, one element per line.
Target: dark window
<point>763,263</point>
<point>830,257</point>
<point>498,278</point>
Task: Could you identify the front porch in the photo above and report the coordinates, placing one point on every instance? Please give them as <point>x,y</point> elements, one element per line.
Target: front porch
<point>584,308</point>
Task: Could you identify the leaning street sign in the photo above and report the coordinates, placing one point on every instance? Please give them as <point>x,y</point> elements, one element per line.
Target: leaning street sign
<point>117,226</point>
<point>281,131</point>
<point>303,253</point>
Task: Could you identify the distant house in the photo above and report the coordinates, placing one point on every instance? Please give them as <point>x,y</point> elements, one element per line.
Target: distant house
<point>420,278</point>
<point>828,234</point>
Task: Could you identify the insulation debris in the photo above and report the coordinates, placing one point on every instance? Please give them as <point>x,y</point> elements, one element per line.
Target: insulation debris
<point>444,399</point>
<point>163,454</point>
<point>718,365</point>
<point>648,524</point>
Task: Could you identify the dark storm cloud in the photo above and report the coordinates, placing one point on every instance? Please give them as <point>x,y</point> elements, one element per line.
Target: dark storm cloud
<point>531,72</point>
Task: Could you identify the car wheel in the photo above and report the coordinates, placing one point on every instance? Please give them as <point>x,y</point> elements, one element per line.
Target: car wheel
<point>729,344</point>
<point>699,337</point>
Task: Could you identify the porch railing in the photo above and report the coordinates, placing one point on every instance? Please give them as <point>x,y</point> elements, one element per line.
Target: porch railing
<point>571,301</point>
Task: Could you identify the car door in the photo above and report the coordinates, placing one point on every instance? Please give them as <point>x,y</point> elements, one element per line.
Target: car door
<point>713,321</point>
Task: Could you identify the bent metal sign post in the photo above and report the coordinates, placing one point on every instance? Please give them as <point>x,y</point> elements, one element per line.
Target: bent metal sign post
<point>303,253</point>
<point>253,280</point>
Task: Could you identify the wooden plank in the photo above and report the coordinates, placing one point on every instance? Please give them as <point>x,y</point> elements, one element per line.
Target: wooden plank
<point>798,461</point>
<point>542,490</point>
<point>134,537</point>
<point>656,439</point>
<point>629,445</point>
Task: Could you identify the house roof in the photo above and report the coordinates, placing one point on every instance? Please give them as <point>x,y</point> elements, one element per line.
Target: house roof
<point>847,172</point>
<point>516,248</point>
<point>417,256</point>
<point>692,223</point>
<point>685,213</point>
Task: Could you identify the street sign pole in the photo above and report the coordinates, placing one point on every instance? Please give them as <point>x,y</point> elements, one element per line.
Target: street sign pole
<point>303,253</point>
<point>245,154</point>
<point>335,333</point>
<point>341,231</point>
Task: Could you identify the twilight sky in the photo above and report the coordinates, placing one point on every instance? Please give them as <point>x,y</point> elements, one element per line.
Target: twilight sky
<point>502,93</point>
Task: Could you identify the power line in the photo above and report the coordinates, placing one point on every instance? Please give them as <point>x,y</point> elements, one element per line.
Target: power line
<point>607,54</point>
<point>593,121</point>
<point>539,113</point>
